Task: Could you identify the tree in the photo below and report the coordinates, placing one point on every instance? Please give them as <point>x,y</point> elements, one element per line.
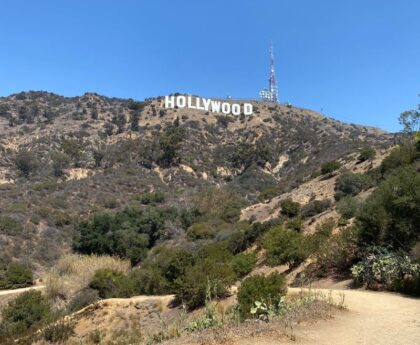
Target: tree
<point>170,143</point>
<point>410,120</point>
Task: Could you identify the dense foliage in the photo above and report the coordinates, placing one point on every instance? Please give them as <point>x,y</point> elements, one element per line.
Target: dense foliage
<point>267,289</point>
<point>28,309</point>
<point>129,233</point>
<point>14,276</point>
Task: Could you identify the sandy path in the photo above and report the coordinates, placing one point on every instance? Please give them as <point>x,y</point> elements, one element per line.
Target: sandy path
<point>373,318</point>
<point>18,291</point>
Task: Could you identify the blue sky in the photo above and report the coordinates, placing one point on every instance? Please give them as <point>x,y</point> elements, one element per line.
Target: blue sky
<point>357,60</point>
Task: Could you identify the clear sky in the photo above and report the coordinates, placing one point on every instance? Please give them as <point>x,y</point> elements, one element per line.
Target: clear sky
<point>358,60</point>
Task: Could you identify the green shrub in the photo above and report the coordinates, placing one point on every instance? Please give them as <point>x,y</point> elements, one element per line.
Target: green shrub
<point>9,226</point>
<point>268,193</point>
<point>387,270</point>
<point>110,284</point>
<point>348,206</point>
<point>400,156</point>
<point>391,214</point>
<point>315,207</point>
<point>201,231</point>
<point>152,198</point>
<point>295,224</point>
<point>211,268</point>
<point>18,276</point>
<point>28,309</point>
<point>351,184</point>
<point>84,298</point>
<point>128,233</point>
<point>172,263</point>
<point>242,264</point>
<point>337,253</point>
<point>289,208</point>
<point>268,289</point>
<point>149,280</point>
<point>284,246</point>
<point>329,167</point>
<point>367,153</point>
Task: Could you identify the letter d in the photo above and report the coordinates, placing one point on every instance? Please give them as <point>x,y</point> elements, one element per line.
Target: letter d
<point>248,109</point>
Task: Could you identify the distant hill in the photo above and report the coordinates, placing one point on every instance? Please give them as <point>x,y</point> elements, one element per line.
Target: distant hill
<point>65,158</point>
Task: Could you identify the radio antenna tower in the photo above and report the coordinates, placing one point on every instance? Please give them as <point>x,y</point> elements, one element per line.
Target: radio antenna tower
<point>271,94</point>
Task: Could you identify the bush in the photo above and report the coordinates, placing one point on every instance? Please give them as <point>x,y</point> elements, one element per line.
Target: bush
<point>60,161</point>
<point>9,226</point>
<point>201,231</point>
<point>242,264</point>
<point>268,193</point>
<point>58,332</point>
<point>172,263</point>
<point>399,157</point>
<point>220,203</point>
<point>73,274</point>
<point>391,214</point>
<point>348,206</point>
<point>387,270</point>
<point>16,276</point>
<point>149,280</point>
<point>110,284</point>
<point>26,162</point>
<point>84,298</point>
<point>211,268</point>
<point>128,234</point>
<point>295,224</point>
<point>289,208</point>
<point>152,198</point>
<point>28,309</point>
<point>367,153</point>
<point>351,184</point>
<point>268,289</point>
<point>315,207</point>
<point>329,167</point>
<point>337,253</point>
<point>285,247</point>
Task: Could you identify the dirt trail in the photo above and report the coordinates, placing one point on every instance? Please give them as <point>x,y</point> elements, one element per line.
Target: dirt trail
<point>18,291</point>
<point>373,318</point>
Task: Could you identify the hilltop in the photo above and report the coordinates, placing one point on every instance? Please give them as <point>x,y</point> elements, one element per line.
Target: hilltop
<point>64,158</point>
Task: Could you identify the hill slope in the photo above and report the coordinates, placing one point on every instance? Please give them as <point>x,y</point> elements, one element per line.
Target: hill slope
<point>63,159</point>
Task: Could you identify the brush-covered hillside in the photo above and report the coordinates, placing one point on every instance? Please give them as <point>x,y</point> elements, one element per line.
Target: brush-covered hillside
<point>143,225</point>
<point>65,159</point>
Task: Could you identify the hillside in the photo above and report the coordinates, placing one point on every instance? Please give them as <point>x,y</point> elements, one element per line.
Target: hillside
<point>63,159</point>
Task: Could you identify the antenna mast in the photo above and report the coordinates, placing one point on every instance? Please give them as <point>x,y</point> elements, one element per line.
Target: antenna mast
<point>271,94</point>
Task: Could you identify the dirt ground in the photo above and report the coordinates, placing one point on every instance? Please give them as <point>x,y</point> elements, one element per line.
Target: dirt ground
<point>373,318</point>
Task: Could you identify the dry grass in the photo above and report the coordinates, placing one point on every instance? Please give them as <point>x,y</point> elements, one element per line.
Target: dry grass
<point>73,273</point>
<point>307,306</point>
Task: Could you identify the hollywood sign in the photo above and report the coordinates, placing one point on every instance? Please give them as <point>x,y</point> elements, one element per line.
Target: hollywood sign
<point>208,104</point>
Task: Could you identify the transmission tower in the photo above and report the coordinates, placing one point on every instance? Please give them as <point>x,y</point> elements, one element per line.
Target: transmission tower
<point>271,94</point>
